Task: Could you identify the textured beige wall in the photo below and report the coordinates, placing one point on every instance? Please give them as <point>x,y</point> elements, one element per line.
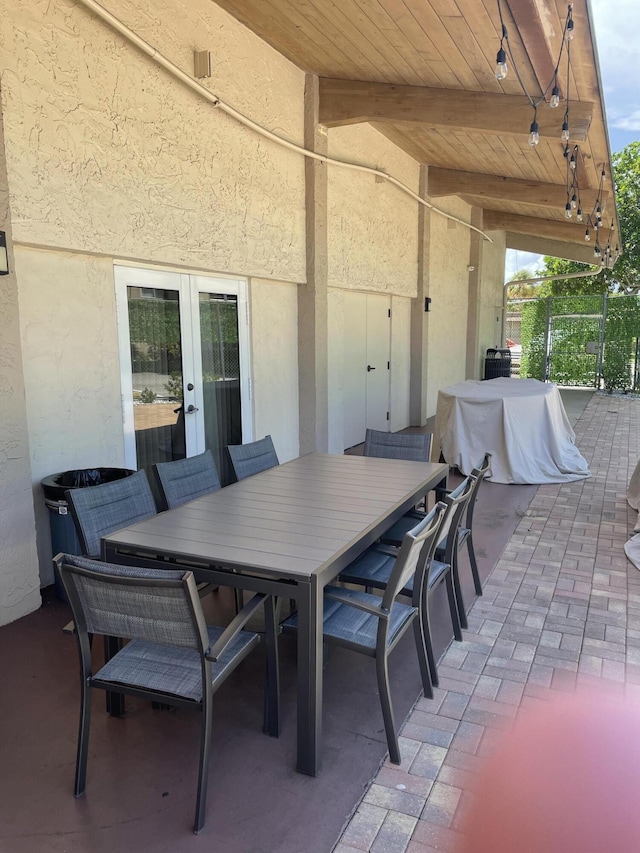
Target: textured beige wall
<point>400,362</point>
<point>448,289</point>
<point>274,343</point>
<point>372,226</point>
<point>108,153</point>
<point>71,370</point>
<point>491,296</point>
<point>335,334</point>
<point>19,579</point>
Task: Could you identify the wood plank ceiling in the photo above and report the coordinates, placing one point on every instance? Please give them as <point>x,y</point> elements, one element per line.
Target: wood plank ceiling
<point>423,73</point>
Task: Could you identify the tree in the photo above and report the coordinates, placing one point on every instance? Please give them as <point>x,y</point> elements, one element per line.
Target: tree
<point>625,276</point>
<point>523,291</point>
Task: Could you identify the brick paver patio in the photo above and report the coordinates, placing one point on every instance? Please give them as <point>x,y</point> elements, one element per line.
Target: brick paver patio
<point>560,612</point>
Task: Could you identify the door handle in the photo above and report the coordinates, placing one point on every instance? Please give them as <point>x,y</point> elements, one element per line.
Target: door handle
<point>369,368</point>
<point>191,410</point>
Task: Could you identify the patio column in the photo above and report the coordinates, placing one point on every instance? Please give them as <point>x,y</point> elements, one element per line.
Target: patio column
<point>19,578</point>
<point>420,317</point>
<point>485,321</point>
<point>312,295</point>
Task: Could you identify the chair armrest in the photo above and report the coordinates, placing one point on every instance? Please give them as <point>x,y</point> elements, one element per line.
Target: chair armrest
<point>346,596</point>
<point>235,626</point>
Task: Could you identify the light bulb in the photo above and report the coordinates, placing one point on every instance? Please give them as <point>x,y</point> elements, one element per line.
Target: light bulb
<point>572,162</point>
<point>599,212</point>
<point>574,201</point>
<point>596,251</point>
<point>603,176</point>
<point>570,30</point>
<point>565,131</point>
<point>587,236</point>
<point>567,210</point>
<point>555,98</point>
<point>501,64</point>
<point>579,216</point>
<point>534,136</point>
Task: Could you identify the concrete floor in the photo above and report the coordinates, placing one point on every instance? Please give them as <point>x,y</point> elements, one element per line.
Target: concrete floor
<point>142,768</point>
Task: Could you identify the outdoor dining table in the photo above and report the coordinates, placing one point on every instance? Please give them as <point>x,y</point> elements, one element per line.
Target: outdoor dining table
<point>288,531</point>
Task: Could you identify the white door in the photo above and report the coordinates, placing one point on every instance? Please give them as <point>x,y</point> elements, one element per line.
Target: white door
<point>367,347</point>
<point>184,359</point>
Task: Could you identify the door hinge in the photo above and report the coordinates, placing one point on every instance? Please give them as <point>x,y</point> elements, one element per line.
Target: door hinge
<point>387,415</point>
<point>389,312</point>
<point>388,365</point>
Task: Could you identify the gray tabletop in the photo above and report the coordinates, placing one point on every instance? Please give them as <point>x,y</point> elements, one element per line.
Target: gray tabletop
<point>299,519</point>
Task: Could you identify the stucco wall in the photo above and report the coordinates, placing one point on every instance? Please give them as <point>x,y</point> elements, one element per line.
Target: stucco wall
<point>449,291</point>
<point>491,296</point>
<point>108,153</point>
<point>71,370</point>
<point>400,362</point>
<point>372,226</point>
<point>274,343</point>
<point>19,579</point>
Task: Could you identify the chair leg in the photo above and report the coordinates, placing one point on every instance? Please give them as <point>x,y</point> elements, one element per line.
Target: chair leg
<point>425,629</point>
<point>423,660</point>
<point>203,768</point>
<point>453,607</point>
<point>462,613</point>
<point>272,684</point>
<point>239,600</point>
<point>474,564</point>
<point>83,740</point>
<point>387,708</point>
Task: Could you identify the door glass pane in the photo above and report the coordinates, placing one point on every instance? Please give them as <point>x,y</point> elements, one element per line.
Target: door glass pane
<point>220,377</point>
<point>156,367</point>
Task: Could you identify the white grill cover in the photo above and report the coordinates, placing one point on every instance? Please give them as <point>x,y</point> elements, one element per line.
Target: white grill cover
<point>522,422</point>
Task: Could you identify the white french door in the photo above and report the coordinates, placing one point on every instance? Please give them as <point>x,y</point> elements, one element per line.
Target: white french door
<point>184,364</point>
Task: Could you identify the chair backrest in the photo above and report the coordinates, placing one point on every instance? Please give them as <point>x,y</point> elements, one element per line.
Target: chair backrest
<point>480,472</point>
<point>394,445</point>
<point>457,502</point>
<point>414,556</point>
<point>186,479</point>
<point>157,605</point>
<point>249,459</point>
<point>99,510</point>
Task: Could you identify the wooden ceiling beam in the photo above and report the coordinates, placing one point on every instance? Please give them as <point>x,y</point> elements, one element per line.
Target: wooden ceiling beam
<point>354,101</point>
<point>451,182</point>
<point>554,248</point>
<point>534,21</point>
<point>496,220</point>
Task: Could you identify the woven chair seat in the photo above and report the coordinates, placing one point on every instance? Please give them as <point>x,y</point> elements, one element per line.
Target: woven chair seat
<point>169,669</point>
<point>355,627</point>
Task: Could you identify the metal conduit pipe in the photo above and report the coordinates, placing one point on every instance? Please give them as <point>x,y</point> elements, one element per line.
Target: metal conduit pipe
<point>193,84</point>
<point>538,279</point>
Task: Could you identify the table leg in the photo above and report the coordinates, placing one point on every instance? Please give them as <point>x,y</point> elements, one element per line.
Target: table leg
<point>309,677</point>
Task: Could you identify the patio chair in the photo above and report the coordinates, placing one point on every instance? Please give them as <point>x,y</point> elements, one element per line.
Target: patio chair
<point>99,510</point>
<point>466,531</point>
<point>372,625</point>
<point>373,571</point>
<point>186,479</point>
<point>452,536</point>
<point>172,656</point>
<point>252,458</point>
<point>395,445</point>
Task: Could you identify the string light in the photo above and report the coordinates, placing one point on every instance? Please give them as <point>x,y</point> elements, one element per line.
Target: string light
<point>501,57</point>
<point>587,236</point>
<point>554,101</point>
<point>534,135</point>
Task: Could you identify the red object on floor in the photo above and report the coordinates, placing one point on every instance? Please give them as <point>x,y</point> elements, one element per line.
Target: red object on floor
<point>566,780</point>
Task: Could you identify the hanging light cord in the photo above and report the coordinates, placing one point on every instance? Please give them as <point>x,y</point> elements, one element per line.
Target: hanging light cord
<point>173,69</point>
<point>505,37</point>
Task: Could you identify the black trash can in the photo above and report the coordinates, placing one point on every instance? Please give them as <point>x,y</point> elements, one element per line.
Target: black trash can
<point>497,363</point>
<point>63,531</point>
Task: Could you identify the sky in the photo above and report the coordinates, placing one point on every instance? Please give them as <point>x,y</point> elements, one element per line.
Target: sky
<point>617,29</point>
